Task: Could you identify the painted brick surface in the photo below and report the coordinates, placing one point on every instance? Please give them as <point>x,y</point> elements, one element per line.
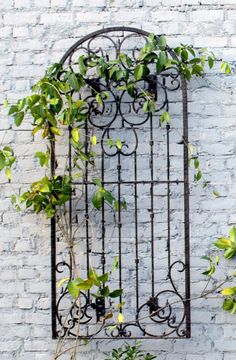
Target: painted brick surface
<point>36,33</point>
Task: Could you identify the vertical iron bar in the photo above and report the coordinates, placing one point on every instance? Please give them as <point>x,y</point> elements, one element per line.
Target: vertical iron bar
<point>119,225</point>
<point>168,193</point>
<point>136,230</point>
<point>103,221</point>
<point>53,248</point>
<point>86,203</point>
<point>70,201</point>
<point>151,142</point>
<point>186,206</point>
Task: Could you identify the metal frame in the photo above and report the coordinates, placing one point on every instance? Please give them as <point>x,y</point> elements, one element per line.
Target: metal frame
<point>167,317</point>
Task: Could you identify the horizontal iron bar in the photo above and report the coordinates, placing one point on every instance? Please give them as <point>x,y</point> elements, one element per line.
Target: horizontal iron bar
<point>143,182</point>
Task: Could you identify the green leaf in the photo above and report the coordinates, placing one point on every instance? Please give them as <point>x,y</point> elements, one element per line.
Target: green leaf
<point>184,54</point>
<point>55,130</point>
<point>97,200</point>
<point>73,289</point>
<point>62,281</point>
<point>228,304</point>
<point>198,176</point>
<point>5,103</point>
<point>232,234</point>
<point>97,182</point>
<point>74,82</point>
<point>19,118</point>
<point>104,278</point>
<point>99,99</point>
<point>116,293</point>
<point>120,318</point>
<point>75,133</point>
<point>162,42</point>
<point>13,109</point>
<point>105,291</point>
<point>115,264</point>
<point>210,62</point>
<point>165,116</point>
<point>140,71</point>
<point>85,285</point>
<point>162,59</point>
<point>93,140</point>
<point>223,243</point>
<point>210,271</point>
<point>229,291</point>
<point>230,253</point>
<point>8,173</point>
<point>196,163</point>
<point>82,66</point>
<point>2,160</point>
<point>119,144</point>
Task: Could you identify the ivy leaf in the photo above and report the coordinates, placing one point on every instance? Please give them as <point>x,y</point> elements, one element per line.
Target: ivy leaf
<point>105,291</point>
<point>82,66</point>
<point>62,281</point>
<point>8,173</point>
<point>93,140</point>
<point>223,243</point>
<point>227,304</point>
<point>116,293</point>
<point>229,291</point>
<point>75,134</point>
<point>162,42</point>
<point>2,160</point>
<point>115,264</point>
<point>19,118</point>
<point>140,71</point>
<point>165,116</point>
<point>198,176</point>
<point>210,62</point>
<point>55,130</point>
<point>99,99</point>
<point>230,253</point>
<point>120,318</point>
<point>74,82</point>
<point>104,278</point>
<point>97,200</point>
<point>232,234</point>
<point>13,109</point>
<point>73,289</point>
<point>119,144</point>
<point>196,163</point>
<point>210,271</point>
<point>97,182</point>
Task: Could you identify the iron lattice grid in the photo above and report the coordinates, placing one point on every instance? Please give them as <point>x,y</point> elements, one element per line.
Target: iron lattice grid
<point>137,236</point>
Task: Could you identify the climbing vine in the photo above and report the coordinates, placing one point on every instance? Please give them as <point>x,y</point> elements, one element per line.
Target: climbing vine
<point>53,108</point>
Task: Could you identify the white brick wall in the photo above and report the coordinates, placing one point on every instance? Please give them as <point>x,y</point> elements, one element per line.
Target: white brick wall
<point>35,33</point>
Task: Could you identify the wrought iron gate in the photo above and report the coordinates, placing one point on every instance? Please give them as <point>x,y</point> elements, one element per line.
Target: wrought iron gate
<point>151,237</point>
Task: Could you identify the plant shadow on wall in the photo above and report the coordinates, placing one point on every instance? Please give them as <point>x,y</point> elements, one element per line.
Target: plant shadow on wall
<point>53,107</point>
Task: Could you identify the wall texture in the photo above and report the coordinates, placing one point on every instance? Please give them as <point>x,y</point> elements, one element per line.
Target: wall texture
<point>36,33</point>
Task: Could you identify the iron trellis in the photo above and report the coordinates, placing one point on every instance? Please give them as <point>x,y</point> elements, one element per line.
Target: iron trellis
<point>150,238</point>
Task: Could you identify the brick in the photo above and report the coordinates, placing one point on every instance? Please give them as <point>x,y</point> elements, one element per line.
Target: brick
<point>20,19</point>
<point>207,15</point>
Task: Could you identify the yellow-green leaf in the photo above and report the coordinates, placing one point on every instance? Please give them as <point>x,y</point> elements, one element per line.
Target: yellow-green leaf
<point>75,133</point>
<point>120,318</point>
<point>229,291</point>
<point>62,281</point>
<point>93,140</point>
